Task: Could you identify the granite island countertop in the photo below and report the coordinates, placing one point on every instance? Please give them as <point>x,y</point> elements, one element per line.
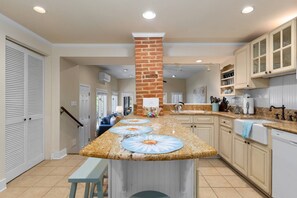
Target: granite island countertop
<point>108,145</point>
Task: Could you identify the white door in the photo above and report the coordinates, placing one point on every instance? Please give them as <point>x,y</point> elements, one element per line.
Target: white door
<point>101,105</point>
<point>35,110</point>
<point>114,103</point>
<point>84,115</point>
<point>24,139</point>
<point>15,130</point>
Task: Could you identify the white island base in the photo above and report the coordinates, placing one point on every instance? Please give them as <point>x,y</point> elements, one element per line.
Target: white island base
<point>176,179</point>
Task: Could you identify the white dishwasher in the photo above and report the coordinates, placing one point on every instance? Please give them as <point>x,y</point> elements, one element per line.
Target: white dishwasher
<point>284,164</point>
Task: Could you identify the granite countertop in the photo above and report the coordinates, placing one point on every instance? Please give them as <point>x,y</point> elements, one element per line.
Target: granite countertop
<point>108,145</point>
<point>289,126</point>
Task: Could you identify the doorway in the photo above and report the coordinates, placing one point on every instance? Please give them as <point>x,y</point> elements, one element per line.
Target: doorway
<point>101,105</point>
<point>84,115</point>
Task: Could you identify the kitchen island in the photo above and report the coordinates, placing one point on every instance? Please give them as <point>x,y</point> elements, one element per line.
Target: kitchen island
<point>173,174</point>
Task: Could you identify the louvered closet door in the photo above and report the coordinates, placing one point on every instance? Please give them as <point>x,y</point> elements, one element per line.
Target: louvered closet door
<point>35,109</point>
<point>15,133</point>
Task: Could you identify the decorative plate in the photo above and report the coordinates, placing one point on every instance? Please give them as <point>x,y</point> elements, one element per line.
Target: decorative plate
<point>152,144</point>
<point>135,121</point>
<point>131,130</point>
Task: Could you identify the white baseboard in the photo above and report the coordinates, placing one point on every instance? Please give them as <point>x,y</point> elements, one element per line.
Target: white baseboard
<point>2,185</point>
<point>59,154</point>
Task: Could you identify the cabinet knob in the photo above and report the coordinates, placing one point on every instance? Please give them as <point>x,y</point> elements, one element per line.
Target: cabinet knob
<point>248,143</point>
<point>270,72</point>
<point>25,119</point>
<point>191,126</point>
<point>247,85</point>
<point>195,126</point>
<point>229,131</point>
<point>266,72</point>
<point>30,118</point>
<point>245,142</point>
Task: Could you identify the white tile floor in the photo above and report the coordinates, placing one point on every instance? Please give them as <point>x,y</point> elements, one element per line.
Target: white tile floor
<point>49,179</point>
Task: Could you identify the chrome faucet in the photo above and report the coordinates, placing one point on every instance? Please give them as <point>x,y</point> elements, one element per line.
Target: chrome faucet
<point>178,107</point>
<point>283,110</point>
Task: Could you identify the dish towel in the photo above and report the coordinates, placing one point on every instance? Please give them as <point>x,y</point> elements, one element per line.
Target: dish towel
<point>247,127</point>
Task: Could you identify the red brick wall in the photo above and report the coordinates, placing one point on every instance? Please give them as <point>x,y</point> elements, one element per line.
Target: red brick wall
<point>148,70</point>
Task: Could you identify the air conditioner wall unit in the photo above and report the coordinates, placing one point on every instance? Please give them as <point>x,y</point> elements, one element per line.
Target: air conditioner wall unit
<point>104,77</point>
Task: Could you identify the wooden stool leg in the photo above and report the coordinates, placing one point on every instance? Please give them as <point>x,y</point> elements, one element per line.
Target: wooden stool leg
<point>87,190</point>
<point>73,190</point>
<point>92,190</point>
<point>100,190</point>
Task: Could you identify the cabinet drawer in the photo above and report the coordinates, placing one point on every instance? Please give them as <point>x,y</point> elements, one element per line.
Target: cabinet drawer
<point>184,119</point>
<point>203,119</point>
<point>227,122</point>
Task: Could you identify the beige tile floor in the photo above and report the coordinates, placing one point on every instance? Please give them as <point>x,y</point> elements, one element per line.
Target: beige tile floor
<point>49,180</point>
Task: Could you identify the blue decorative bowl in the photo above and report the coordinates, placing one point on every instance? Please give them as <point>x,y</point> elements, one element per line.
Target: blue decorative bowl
<point>131,130</point>
<point>152,144</point>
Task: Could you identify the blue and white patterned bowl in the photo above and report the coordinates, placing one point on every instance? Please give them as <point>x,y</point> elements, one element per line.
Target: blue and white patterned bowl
<point>135,121</point>
<point>152,144</point>
<point>131,130</point>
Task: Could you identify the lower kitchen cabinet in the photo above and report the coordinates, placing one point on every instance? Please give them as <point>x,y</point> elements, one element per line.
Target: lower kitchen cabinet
<point>240,154</point>
<point>226,143</point>
<point>254,161</point>
<point>205,132</point>
<point>259,166</point>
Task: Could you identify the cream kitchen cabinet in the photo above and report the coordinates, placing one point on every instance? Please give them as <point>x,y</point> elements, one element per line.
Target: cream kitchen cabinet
<point>204,126</point>
<point>260,56</point>
<point>225,137</point>
<point>242,69</point>
<point>283,49</point>
<point>254,161</point>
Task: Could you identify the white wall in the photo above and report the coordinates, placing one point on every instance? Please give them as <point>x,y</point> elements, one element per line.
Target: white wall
<point>126,86</point>
<point>211,79</point>
<point>175,85</point>
<point>9,28</point>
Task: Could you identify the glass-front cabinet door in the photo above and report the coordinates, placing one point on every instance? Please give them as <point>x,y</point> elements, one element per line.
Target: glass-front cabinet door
<point>259,55</point>
<point>283,48</point>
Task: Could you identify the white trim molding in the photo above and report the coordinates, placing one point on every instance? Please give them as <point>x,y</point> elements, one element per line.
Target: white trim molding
<point>148,34</point>
<point>59,154</point>
<point>2,185</point>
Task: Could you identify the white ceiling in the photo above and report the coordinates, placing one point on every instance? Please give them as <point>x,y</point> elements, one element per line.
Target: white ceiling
<point>113,21</point>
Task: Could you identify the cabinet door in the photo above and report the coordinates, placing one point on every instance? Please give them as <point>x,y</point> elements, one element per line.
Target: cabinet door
<point>35,110</point>
<point>259,166</point>
<point>205,133</point>
<point>242,75</point>
<point>240,154</point>
<point>259,57</point>
<point>283,48</point>
<point>226,143</point>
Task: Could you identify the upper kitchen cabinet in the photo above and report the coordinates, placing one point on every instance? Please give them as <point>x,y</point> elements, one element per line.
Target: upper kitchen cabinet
<point>259,56</point>
<point>283,49</point>
<point>242,74</point>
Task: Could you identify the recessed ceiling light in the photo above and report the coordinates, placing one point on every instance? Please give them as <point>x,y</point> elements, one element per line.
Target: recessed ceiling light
<point>149,15</point>
<point>125,70</point>
<point>247,10</point>
<point>39,9</point>
<point>173,76</point>
<point>198,61</point>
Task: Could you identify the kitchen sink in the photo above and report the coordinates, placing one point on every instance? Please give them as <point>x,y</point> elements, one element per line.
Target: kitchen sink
<point>259,133</point>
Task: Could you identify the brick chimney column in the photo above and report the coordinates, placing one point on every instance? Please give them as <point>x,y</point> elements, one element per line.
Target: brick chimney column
<point>148,69</point>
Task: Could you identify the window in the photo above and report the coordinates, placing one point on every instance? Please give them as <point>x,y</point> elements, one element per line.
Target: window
<point>101,105</point>
<point>164,97</point>
<point>114,102</point>
<point>176,97</point>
